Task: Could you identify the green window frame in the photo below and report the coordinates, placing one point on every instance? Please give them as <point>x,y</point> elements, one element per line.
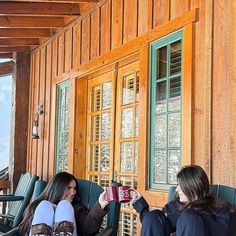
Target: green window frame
<point>62,128</point>
<point>165,110</point>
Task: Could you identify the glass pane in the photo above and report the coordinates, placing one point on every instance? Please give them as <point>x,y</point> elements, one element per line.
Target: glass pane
<point>137,86</point>
<point>67,97</point>
<point>105,157</point>
<point>66,141</point>
<point>126,181</point>
<point>128,89</point>
<point>160,131</point>
<point>135,157</point>
<point>136,121</point>
<point>160,97</point>
<point>175,94</point>
<point>61,120</point>
<point>127,123</point>
<point>173,165</point>
<point>107,93</point>
<point>161,62</point>
<point>175,57</point>
<point>67,119</point>
<point>96,99</point>
<point>106,126</point>
<point>95,127</point>
<point>94,157</point>
<point>174,129</point>
<point>125,157</point>
<point>62,98</point>
<point>160,166</point>
<point>104,181</point>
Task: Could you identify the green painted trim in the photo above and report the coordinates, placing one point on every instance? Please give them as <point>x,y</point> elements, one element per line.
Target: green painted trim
<point>165,41</point>
<point>61,86</point>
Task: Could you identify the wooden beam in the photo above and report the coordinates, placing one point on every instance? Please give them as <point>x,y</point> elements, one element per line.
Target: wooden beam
<point>25,33</point>
<point>39,8</point>
<point>31,21</point>
<point>6,68</point>
<point>19,41</point>
<point>56,1</point>
<point>15,49</point>
<point>6,55</point>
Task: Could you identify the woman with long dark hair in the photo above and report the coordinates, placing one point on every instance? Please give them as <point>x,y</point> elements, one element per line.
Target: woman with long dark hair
<point>57,211</point>
<point>195,211</point>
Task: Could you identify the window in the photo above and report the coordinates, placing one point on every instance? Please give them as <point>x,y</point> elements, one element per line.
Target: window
<point>63,93</point>
<point>165,111</point>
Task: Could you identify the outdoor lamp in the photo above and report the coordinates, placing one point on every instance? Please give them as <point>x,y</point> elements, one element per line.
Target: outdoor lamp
<point>35,129</point>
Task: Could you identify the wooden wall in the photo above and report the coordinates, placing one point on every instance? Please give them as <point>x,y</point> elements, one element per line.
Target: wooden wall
<point>112,23</point>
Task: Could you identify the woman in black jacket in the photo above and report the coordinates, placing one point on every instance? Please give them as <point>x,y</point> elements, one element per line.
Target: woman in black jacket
<point>195,211</point>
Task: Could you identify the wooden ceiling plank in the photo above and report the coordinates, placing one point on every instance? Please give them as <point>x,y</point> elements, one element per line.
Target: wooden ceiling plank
<point>19,41</point>
<point>15,49</point>
<point>6,68</point>
<point>25,33</point>
<point>56,1</point>
<point>6,55</point>
<point>54,9</point>
<point>31,22</point>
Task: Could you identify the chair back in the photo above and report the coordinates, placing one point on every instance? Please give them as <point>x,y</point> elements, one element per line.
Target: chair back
<point>38,189</point>
<point>224,192</point>
<point>89,193</point>
<point>24,188</point>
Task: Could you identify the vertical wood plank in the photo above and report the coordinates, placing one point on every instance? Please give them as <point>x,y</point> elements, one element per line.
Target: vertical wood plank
<point>130,20</point>
<point>54,58</point>
<point>187,98</point>
<point>194,4</point>
<point>80,128</point>
<point>76,60</point>
<point>145,14</point>
<point>40,163</point>
<point>85,29</point>
<point>223,107</point>
<point>47,106</point>
<point>178,8</point>
<point>61,54</point>
<point>117,23</point>
<point>105,25</point>
<point>94,34</point>
<point>31,115</point>
<point>36,99</point>
<point>161,12</point>
<point>68,49</point>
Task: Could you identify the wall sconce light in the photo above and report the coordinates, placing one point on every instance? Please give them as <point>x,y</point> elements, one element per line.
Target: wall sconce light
<point>35,130</point>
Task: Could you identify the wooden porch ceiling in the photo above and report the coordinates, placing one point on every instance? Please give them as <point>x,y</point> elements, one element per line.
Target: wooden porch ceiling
<point>25,24</point>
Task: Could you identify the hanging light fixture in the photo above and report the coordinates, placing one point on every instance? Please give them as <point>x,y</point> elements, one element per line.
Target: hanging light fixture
<point>35,129</point>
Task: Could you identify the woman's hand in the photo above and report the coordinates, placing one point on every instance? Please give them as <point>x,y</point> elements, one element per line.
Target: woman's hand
<point>135,195</point>
<point>103,203</point>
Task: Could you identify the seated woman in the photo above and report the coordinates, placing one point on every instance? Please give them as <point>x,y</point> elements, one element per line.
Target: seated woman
<point>58,212</point>
<point>195,211</point>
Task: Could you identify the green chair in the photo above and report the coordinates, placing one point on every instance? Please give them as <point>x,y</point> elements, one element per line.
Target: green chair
<point>17,202</point>
<point>38,189</point>
<point>89,193</point>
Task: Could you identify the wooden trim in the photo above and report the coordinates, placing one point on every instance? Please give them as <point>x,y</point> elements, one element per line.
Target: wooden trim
<point>72,118</point>
<point>187,102</point>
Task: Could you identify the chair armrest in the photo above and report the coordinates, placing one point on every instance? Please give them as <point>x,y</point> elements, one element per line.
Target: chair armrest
<point>105,232</point>
<point>7,216</point>
<point>9,198</point>
<point>13,232</point>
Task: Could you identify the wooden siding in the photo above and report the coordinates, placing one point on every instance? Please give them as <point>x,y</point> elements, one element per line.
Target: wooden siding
<point>108,32</point>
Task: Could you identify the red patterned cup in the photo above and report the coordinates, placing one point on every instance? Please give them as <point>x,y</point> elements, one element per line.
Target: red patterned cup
<point>111,194</point>
<point>124,194</point>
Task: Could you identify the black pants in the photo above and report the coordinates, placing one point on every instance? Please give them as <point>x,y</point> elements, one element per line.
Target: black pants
<point>189,223</point>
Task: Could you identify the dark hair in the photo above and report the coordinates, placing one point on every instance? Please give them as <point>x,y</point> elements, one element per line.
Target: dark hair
<point>194,183</point>
<point>54,190</point>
